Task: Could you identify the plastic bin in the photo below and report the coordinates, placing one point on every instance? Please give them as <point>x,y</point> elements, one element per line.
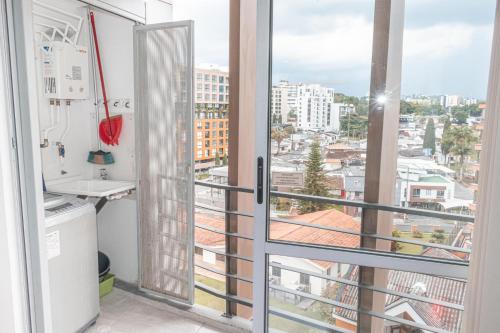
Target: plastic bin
<point>106,285</point>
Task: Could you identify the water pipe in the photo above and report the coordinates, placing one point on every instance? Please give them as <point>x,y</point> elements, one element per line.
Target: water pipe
<point>66,128</point>
<point>46,131</point>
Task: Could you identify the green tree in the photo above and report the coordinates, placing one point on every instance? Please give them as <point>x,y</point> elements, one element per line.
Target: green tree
<point>278,134</point>
<point>315,181</point>
<point>407,108</point>
<point>463,140</point>
<point>460,114</point>
<point>430,136</point>
<point>446,140</point>
<point>354,125</point>
<point>224,159</point>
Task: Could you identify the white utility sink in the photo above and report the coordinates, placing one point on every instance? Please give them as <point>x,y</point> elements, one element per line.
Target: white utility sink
<point>92,187</point>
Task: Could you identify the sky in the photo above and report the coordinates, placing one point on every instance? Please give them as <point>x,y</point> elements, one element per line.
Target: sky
<point>446,43</point>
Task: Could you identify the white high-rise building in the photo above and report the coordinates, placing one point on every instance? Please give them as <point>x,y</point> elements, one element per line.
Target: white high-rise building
<point>283,101</point>
<point>316,109</point>
<point>450,100</point>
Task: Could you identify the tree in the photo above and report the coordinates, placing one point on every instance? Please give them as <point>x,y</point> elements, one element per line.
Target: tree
<point>463,139</point>
<point>354,125</point>
<point>446,140</point>
<point>315,181</point>
<point>224,159</point>
<point>460,114</point>
<point>278,134</point>
<point>430,136</point>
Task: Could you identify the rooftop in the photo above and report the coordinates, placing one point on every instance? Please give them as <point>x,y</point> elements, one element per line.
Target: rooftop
<point>434,179</point>
<point>437,288</point>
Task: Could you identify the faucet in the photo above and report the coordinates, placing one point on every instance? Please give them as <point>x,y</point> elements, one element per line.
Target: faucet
<point>103,174</point>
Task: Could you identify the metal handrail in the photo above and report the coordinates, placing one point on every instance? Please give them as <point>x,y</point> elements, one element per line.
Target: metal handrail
<point>219,272</point>
<point>222,232</point>
<point>370,287</point>
<point>220,294</point>
<point>307,321</point>
<point>375,206</point>
<point>224,186</point>
<point>230,255</point>
<point>376,236</point>
<point>220,210</point>
<point>359,204</point>
<point>349,203</point>
<point>357,310</point>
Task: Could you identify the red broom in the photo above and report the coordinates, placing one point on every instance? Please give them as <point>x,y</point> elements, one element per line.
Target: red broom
<point>111,127</point>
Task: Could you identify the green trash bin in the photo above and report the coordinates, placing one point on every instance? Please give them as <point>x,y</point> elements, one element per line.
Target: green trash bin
<point>106,285</point>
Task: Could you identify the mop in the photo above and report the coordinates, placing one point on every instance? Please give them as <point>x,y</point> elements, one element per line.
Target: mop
<point>109,128</point>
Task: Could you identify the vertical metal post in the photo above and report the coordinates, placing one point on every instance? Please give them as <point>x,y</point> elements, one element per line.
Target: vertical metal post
<point>230,262</point>
<point>380,174</point>
<point>231,198</point>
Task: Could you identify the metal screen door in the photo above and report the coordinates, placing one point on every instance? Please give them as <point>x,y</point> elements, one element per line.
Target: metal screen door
<point>163,61</point>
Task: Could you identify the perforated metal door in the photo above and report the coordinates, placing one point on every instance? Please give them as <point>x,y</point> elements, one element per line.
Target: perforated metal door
<point>163,58</point>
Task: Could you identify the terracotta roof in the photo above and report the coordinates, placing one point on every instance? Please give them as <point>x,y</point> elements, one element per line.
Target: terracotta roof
<point>205,237</point>
<point>290,232</point>
<point>312,235</point>
<point>438,288</point>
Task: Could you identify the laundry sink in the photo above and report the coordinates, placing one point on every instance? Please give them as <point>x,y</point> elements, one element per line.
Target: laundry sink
<point>91,187</point>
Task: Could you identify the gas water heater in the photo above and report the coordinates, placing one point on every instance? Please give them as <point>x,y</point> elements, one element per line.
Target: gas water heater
<point>65,71</point>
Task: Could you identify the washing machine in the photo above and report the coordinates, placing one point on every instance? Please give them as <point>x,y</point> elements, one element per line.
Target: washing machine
<point>71,235</point>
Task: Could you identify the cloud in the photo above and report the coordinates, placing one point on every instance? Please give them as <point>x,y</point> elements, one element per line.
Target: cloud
<point>345,43</point>
<point>440,41</point>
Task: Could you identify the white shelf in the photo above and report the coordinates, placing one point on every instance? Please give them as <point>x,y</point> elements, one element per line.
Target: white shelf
<point>92,187</point>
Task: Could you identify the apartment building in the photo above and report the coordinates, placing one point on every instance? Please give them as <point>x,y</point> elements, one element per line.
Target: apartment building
<point>211,117</point>
<point>450,100</point>
<point>283,101</point>
<point>316,109</point>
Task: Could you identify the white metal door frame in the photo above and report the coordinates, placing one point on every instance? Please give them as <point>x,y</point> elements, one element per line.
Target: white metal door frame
<point>263,247</point>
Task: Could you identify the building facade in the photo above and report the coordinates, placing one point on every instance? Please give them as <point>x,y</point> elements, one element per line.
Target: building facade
<point>283,101</point>
<point>211,117</point>
<point>316,109</point>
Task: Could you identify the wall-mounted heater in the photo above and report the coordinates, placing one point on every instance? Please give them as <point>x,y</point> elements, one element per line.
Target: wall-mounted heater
<point>65,71</point>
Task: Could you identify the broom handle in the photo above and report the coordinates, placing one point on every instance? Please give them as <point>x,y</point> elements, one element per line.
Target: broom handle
<point>101,75</point>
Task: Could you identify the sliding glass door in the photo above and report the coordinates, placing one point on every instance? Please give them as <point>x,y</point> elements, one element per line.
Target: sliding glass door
<point>362,222</point>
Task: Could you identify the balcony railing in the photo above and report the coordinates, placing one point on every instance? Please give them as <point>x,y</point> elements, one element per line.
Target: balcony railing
<point>276,286</point>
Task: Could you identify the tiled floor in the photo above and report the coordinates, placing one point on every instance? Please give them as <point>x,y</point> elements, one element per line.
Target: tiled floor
<point>123,312</point>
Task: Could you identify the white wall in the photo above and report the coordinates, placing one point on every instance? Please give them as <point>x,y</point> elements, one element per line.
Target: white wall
<point>78,141</point>
<point>117,222</point>
<point>115,37</point>
<point>291,279</point>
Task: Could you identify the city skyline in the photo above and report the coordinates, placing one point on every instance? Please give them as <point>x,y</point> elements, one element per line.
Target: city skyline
<point>438,40</point>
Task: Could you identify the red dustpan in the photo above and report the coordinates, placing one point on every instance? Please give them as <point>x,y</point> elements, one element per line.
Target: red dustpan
<point>110,129</point>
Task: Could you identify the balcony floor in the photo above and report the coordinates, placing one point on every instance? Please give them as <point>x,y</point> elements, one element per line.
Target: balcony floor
<point>124,312</point>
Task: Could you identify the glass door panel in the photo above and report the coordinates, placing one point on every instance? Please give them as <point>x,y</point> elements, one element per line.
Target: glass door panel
<point>333,251</point>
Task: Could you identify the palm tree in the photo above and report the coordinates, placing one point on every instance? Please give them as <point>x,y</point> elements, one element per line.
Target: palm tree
<point>278,135</point>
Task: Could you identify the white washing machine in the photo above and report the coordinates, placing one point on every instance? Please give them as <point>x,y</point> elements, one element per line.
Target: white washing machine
<point>71,234</point>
